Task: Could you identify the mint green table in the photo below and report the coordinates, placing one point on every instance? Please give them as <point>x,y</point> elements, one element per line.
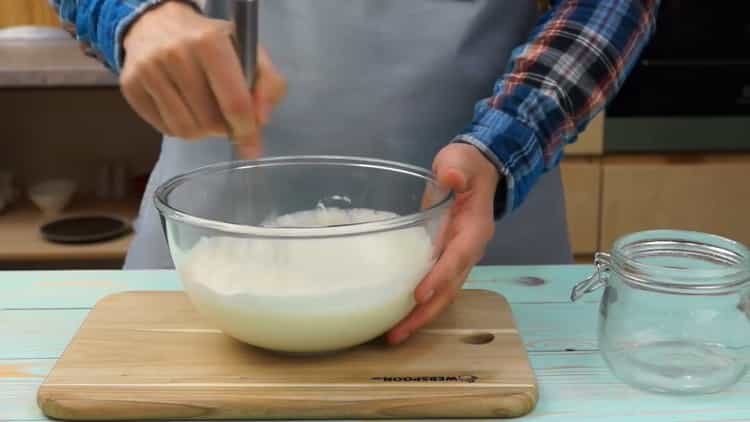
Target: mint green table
<point>40,312</point>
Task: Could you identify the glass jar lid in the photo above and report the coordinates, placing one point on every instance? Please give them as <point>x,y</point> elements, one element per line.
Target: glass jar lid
<point>681,262</point>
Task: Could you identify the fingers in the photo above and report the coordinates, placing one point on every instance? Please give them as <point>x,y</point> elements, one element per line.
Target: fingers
<point>462,252</point>
<point>444,281</point>
<point>139,99</point>
<point>442,284</point>
<point>269,90</point>
<point>433,193</point>
<point>454,179</point>
<point>270,87</point>
<point>185,74</point>
<point>172,106</point>
<point>426,312</point>
<point>249,150</point>
<point>463,169</point>
<point>441,237</point>
<point>150,42</point>
<point>452,168</point>
<point>222,67</point>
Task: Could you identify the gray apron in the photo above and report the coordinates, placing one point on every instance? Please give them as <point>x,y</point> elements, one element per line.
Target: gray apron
<point>391,79</point>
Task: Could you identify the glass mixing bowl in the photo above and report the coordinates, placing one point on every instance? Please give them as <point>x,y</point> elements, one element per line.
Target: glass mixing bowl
<point>303,254</point>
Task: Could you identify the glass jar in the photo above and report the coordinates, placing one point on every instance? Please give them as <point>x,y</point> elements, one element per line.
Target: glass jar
<point>675,313</point>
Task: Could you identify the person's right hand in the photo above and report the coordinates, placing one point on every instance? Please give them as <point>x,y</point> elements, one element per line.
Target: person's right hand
<point>182,75</point>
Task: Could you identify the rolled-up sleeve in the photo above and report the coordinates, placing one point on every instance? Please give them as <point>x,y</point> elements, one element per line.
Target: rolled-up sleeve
<point>101,25</point>
<point>575,61</point>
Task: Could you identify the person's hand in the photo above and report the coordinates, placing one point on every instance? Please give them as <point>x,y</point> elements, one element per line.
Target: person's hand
<point>473,179</point>
<point>182,75</point>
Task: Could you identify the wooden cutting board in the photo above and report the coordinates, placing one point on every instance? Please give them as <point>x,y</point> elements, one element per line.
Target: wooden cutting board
<point>149,355</point>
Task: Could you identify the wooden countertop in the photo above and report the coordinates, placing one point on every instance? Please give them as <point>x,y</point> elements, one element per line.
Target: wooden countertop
<point>20,240</point>
<point>41,311</point>
<point>50,63</point>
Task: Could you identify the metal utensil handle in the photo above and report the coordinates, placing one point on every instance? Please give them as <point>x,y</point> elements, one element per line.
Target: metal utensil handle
<point>244,15</point>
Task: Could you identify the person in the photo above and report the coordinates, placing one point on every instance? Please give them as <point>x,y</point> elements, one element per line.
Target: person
<point>418,81</point>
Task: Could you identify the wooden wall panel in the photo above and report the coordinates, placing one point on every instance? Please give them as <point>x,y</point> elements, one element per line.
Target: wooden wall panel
<point>582,183</point>
<point>27,12</point>
<point>693,192</point>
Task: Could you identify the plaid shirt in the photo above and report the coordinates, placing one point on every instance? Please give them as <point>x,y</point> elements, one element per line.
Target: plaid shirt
<point>574,61</point>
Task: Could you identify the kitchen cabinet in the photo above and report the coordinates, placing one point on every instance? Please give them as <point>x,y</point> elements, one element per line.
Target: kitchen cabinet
<point>590,141</point>
<point>68,132</point>
<point>71,132</point>
<point>581,174</point>
<point>22,245</point>
<point>609,194</point>
<point>582,181</point>
<point>63,116</point>
<point>27,12</point>
<point>708,193</point>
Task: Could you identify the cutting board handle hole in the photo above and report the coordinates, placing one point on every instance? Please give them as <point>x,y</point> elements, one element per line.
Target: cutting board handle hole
<point>479,338</point>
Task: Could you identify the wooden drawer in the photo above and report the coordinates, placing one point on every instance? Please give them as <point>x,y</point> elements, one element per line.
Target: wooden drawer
<point>703,193</point>
<point>582,183</point>
<point>591,140</point>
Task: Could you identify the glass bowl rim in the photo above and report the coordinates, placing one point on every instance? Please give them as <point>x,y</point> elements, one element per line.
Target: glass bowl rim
<point>403,221</point>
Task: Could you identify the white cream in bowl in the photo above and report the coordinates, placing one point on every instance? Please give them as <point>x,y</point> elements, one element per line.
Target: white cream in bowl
<point>308,294</point>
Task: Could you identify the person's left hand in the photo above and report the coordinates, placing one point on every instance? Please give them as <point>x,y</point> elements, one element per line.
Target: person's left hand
<point>473,178</point>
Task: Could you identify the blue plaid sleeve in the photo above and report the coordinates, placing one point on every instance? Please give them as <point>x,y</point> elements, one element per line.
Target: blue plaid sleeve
<point>101,24</point>
<point>575,61</point>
